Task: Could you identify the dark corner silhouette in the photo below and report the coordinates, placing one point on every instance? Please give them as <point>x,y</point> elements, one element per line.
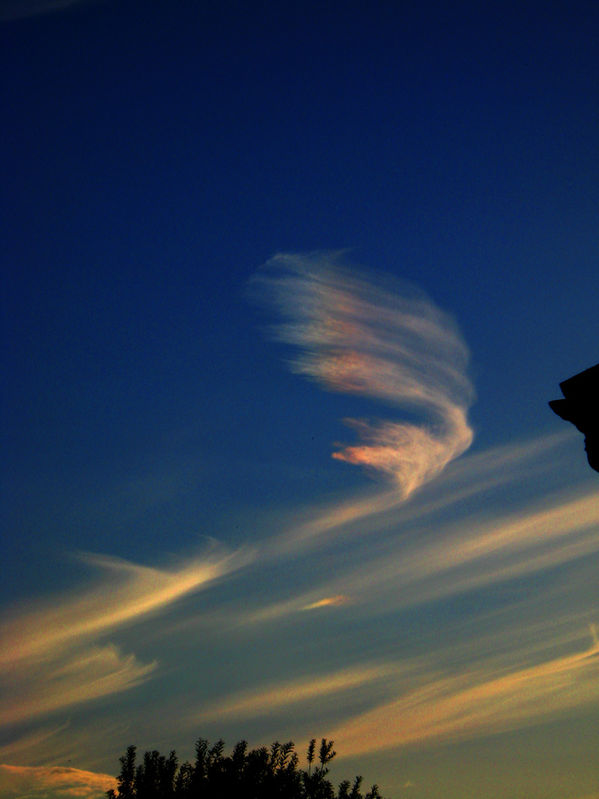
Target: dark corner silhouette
<point>581,407</point>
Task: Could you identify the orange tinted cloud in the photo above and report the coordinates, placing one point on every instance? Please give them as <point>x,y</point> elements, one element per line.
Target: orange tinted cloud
<point>358,334</point>
<point>328,601</point>
<point>474,704</point>
<point>53,782</point>
<point>47,658</point>
<point>88,674</point>
<point>275,697</point>
<point>139,591</point>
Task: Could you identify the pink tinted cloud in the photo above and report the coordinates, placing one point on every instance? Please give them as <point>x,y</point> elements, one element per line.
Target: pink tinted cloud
<point>360,334</point>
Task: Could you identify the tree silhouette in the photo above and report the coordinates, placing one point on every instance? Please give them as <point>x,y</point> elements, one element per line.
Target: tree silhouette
<point>262,773</point>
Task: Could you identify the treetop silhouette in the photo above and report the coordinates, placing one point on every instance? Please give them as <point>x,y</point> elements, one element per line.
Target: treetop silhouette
<point>262,773</point>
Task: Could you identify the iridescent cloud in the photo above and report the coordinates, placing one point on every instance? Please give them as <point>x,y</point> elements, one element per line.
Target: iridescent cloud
<point>361,334</point>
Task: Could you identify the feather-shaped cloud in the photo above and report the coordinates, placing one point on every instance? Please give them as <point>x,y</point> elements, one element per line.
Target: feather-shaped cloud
<point>358,333</point>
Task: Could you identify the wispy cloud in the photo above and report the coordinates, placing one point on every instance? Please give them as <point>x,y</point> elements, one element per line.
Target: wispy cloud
<point>450,539</point>
<point>436,559</point>
<point>327,602</point>
<point>360,334</point>
<point>370,555</point>
<point>470,476</point>
<point>138,592</point>
<point>31,741</point>
<point>52,782</point>
<point>477,552</point>
<point>49,656</point>
<point>276,697</point>
<point>472,703</point>
<point>87,675</point>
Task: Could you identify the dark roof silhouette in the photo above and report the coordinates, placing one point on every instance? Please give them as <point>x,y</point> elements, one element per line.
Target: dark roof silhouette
<point>580,406</point>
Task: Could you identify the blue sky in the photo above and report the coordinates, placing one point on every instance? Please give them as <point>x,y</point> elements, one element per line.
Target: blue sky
<point>239,239</point>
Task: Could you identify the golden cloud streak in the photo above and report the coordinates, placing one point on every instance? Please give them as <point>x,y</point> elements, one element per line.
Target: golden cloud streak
<point>469,705</point>
<point>63,782</point>
<point>328,601</point>
<point>34,740</point>
<point>93,673</point>
<point>45,660</point>
<point>140,590</point>
<point>475,553</point>
<point>259,703</point>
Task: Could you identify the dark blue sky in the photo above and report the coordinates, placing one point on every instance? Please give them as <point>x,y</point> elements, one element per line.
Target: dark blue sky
<point>156,154</point>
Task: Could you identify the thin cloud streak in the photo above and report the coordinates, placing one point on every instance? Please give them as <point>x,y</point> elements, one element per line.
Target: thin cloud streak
<point>140,590</point>
<point>327,602</point>
<point>358,335</point>
<point>472,704</point>
<point>31,741</point>
<point>46,660</point>
<point>89,675</point>
<point>421,559</point>
<point>476,553</point>
<point>465,478</point>
<point>279,696</point>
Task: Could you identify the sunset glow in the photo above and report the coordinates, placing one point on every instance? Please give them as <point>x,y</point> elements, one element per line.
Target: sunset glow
<point>287,291</point>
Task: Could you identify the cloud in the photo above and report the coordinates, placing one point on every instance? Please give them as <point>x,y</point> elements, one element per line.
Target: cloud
<point>90,674</point>
<point>477,552</point>
<point>469,477</point>
<point>31,741</point>
<point>453,537</point>
<point>360,334</point>
<point>138,592</point>
<point>457,536</point>
<point>47,661</point>
<point>52,782</point>
<point>470,704</point>
<point>327,602</point>
<point>370,554</point>
<point>276,697</point>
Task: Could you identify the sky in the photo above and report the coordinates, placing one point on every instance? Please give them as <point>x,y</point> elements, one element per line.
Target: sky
<point>287,288</point>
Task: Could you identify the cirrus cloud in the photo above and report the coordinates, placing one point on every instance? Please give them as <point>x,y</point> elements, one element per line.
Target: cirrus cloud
<point>358,333</point>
